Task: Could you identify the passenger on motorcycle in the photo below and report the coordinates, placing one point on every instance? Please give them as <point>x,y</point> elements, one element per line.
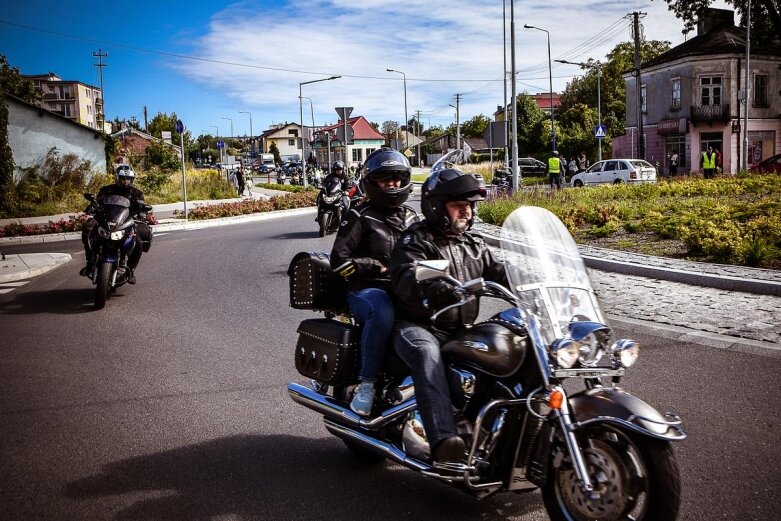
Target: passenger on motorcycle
<point>123,186</point>
<point>361,254</point>
<point>448,203</point>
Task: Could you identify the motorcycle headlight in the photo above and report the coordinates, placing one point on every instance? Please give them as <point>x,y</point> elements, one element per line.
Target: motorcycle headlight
<point>115,236</point>
<point>590,351</point>
<point>626,351</point>
<point>565,352</point>
<point>330,199</point>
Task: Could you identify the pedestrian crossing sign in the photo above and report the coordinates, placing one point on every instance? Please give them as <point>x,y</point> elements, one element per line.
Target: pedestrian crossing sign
<point>599,131</point>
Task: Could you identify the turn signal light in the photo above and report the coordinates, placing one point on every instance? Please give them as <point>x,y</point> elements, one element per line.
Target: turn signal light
<point>556,399</point>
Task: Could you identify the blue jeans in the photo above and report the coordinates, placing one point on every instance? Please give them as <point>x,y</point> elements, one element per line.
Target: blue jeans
<point>419,349</point>
<point>373,309</point>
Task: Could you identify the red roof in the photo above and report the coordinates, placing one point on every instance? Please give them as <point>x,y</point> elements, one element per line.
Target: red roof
<point>361,126</point>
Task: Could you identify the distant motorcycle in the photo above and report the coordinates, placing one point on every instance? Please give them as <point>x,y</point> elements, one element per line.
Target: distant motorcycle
<point>111,241</point>
<point>329,206</point>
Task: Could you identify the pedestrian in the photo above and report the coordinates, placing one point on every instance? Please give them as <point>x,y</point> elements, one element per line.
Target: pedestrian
<point>239,179</point>
<point>708,163</point>
<point>572,167</point>
<point>674,163</point>
<point>555,170</point>
<point>583,163</point>
<point>718,161</point>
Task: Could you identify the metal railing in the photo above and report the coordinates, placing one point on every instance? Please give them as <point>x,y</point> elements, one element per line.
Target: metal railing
<point>710,112</point>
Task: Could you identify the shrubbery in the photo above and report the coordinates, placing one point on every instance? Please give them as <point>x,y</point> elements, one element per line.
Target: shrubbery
<point>303,199</point>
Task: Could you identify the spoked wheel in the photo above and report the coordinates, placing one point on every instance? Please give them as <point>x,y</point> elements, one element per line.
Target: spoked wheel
<point>103,284</point>
<point>634,478</point>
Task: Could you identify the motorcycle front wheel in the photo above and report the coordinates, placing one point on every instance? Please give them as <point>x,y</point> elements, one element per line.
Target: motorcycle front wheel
<point>634,477</point>
<point>323,222</point>
<point>103,284</point>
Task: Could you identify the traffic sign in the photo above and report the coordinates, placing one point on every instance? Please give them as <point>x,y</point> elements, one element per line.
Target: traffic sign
<point>600,131</point>
<point>179,126</point>
<point>340,133</point>
<point>220,144</point>
<point>344,112</point>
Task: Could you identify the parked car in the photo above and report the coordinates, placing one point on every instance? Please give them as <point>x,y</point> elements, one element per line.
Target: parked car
<point>616,171</point>
<point>770,165</point>
<point>532,167</point>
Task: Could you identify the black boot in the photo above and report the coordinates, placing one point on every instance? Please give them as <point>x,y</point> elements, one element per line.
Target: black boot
<point>131,276</point>
<point>86,271</point>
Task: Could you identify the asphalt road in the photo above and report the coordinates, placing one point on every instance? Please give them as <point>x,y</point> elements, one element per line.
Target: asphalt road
<point>171,402</point>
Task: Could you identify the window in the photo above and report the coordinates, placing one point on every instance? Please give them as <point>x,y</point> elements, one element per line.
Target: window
<point>89,109</point>
<point>710,90</point>
<point>644,99</point>
<point>760,90</point>
<point>357,154</point>
<point>676,101</point>
<point>291,142</point>
<point>293,132</point>
<point>66,92</point>
<point>369,151</point>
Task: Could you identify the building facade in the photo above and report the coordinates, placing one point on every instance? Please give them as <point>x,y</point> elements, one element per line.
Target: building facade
<point>691,98</point>
<point>77,101</point>
<point>365,140</point>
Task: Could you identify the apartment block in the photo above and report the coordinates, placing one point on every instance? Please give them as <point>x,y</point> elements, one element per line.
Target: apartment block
<point>77,101</point>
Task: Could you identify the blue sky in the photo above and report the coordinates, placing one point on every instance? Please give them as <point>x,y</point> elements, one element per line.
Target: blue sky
<point>252,55</point>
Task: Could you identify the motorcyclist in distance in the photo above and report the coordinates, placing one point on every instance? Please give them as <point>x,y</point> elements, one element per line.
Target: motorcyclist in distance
<point>123,186</point>
<point>338,173</point>
<point>448,201</point>
<point>361,254</point>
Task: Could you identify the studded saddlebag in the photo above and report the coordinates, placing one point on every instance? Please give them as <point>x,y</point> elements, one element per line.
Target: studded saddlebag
<point>328,351</point>
<point>313,285</point>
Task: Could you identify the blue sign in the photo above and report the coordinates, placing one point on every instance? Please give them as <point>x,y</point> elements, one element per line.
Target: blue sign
<point>600,131</point>
<point>220,144</point>
<point>179,126</point>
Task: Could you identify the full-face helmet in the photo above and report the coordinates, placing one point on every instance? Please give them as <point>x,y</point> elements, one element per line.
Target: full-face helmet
<point>337,167</point>
<point>124,175</point>
<point>447,185</point>
<point>382,165</point>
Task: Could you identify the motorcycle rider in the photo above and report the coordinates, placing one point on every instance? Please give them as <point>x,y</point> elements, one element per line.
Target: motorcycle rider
<point>361,254</point>
<point>125,176</point>
<point>448,202</point>
<point>339,174</point>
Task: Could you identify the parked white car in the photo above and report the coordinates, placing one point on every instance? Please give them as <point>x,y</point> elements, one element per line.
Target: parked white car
<point>616,171</point>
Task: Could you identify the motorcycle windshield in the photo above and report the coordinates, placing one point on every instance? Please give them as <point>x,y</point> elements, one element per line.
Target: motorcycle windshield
<point>333,185</point>
<point>116,200</point>
<point>116,209</point>
<point>546,272</point>
<point>454,157</point>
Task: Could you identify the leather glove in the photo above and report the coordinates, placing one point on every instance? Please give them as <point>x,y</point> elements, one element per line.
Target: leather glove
<point>440,294</point>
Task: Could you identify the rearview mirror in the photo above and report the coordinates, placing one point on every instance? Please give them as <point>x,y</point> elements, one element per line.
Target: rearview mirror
<point>89,197</point>
<point>431,269</point>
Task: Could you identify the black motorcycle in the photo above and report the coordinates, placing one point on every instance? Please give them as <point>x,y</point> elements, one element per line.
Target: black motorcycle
<point>111,241</point>
<point>536,387</point>
<point>329,206</point>
<point>502,181</point>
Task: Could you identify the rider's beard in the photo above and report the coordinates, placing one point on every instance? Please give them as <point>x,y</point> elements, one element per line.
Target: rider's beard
<point>459,226</point>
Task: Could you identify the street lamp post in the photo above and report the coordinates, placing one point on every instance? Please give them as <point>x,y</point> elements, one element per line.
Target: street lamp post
<point>226,148</point>
<point>251,138</point>
<point>598,67</point>
<point>406,121</point>
<point>217,136</point>
<point>301,115</point>
<point>550,86</point>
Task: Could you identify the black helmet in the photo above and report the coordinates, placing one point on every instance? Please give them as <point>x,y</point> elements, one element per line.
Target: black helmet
<point>337,165</point>
<point>382,164</point>
<point>446,185</point>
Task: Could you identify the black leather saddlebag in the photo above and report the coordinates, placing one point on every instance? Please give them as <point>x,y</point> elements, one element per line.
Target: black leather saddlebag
<point>313,285</point>
<point>328,351</point>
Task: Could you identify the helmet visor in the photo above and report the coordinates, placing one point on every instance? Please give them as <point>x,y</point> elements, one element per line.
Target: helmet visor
<point>390,175</point>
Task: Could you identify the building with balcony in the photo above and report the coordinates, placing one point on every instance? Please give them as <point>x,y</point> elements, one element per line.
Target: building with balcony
<point>77,101</point>
<point>692,98</point>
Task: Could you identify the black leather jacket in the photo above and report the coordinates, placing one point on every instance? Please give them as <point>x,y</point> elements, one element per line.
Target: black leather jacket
<point>469,259</point>
<point>135,196</point>
<point>365,241</point>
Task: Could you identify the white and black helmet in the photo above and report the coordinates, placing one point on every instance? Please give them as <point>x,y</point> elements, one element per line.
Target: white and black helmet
<point>124,171</point>
<point>386,163</point>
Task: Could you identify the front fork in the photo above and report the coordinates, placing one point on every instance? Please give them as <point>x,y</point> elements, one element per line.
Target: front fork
<point>562,414</point>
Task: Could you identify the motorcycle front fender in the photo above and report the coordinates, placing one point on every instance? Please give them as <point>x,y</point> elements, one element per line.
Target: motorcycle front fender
<point>616,406</point>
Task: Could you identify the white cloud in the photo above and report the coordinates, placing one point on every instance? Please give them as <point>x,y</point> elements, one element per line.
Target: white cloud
<point>452,41</point>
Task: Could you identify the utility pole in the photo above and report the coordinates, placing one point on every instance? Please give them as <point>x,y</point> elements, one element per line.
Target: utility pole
<point>146,124</point>
<point>504,75</point>
<point>417,114</point>
<point>638,86</point>
<point>100,55</point>
<point>514,145</point>
<point>744,152</point>
<point>458,122</point>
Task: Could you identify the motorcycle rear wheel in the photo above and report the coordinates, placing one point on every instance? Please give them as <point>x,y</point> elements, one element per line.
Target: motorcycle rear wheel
<point>636,477</point>
<point>103,284</point>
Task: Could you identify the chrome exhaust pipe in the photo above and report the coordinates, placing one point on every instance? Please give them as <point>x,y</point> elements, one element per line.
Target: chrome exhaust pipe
<point>334,409</point>
<point>382,448</point>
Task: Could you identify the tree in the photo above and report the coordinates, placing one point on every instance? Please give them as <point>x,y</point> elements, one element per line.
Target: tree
<point>11,82</point>
<point>531,126</point>
<point>274,150</point>
<point>765,15</point>
<point>475,127</point>
<point>162,155</point>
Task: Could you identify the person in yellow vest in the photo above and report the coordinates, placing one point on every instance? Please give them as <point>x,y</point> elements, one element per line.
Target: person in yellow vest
<point>555,170</point>
<point>708,163</point>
